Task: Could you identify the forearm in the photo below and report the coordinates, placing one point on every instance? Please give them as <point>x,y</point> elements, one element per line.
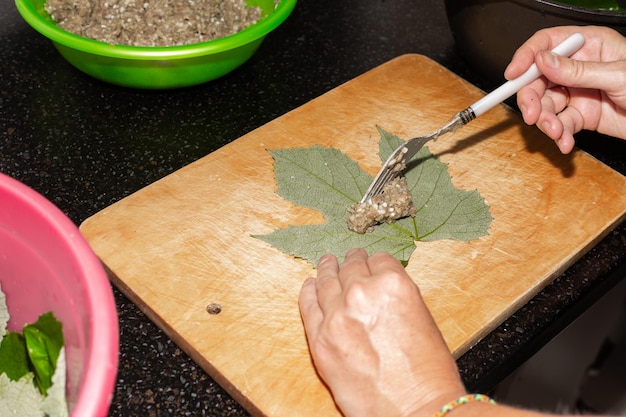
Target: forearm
<point>484,409</point>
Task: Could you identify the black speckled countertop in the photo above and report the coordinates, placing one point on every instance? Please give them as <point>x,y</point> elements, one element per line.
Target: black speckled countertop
<point>84,145</point>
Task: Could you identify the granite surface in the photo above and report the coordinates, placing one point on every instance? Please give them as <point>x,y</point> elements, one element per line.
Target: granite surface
<point>84,144</point>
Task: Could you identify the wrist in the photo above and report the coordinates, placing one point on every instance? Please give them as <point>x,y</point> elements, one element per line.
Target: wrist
<point>464,400</point>
<point>430,407</point>
<point>467,402</point>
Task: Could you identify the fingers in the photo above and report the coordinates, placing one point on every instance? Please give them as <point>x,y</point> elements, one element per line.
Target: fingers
<point>310,311</point>
<point>354,266</point>
<point>531,99</point>
<point>328,286</point>
<point>543,40</point>
<point>381,262</point>
<point>575,73</point>
<point>553,102</point>
<point>557,119</point>
<point>561,128</point>
<point>549,108</point>
<point>317,296</point>
<point>571,122</point>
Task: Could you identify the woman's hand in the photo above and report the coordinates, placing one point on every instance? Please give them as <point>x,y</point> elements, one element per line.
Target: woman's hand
<point>585,91</point>
<point>373,340</point>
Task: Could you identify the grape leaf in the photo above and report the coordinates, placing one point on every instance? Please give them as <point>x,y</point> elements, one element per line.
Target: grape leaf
<point>20,392</point>
<point>4,314</point>
<point>55,404</point>
<point>44,339</point>
<point>14,356</point>
<point>327,180</point>
<point>20,398</point>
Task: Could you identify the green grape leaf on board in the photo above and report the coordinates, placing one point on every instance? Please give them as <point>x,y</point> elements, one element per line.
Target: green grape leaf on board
<point>327,180</point>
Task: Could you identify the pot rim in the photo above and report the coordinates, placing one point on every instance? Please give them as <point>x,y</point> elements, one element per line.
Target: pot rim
<point>571,10</point>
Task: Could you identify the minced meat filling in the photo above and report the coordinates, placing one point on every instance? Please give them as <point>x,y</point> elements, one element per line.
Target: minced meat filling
<point>152,22</point>
<point>392,204</point>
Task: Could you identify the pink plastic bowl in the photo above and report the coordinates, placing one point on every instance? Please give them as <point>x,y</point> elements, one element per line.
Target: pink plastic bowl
<point>46,265</point>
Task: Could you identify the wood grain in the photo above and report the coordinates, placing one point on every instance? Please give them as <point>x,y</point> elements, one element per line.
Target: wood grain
<point>185,241</point>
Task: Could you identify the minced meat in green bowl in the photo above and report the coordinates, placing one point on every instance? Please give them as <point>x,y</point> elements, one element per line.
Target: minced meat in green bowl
<point>188,49</point>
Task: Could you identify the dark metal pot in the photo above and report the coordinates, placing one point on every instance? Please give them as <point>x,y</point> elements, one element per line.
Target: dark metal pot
<point>487,32</point>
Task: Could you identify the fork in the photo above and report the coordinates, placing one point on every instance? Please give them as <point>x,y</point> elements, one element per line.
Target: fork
<point>398,159</point>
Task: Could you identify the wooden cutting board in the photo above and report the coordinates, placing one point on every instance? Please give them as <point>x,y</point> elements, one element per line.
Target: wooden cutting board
<point>185,242</point>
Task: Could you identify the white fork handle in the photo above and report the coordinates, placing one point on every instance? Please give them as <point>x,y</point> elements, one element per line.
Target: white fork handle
<point>506,90</point>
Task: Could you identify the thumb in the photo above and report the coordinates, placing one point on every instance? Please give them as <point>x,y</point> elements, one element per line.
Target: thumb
<point>572,73</point>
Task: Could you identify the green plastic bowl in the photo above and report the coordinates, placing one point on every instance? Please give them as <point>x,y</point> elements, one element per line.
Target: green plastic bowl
<point>157,67</point>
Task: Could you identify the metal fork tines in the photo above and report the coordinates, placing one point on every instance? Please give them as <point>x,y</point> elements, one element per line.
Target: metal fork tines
<point>399,158</point>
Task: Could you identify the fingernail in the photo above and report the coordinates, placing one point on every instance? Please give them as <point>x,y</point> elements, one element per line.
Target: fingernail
<point>550,59</point>
<point>323,259</point>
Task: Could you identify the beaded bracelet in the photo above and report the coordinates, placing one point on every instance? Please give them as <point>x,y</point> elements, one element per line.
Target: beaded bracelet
<point>463,400</point>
